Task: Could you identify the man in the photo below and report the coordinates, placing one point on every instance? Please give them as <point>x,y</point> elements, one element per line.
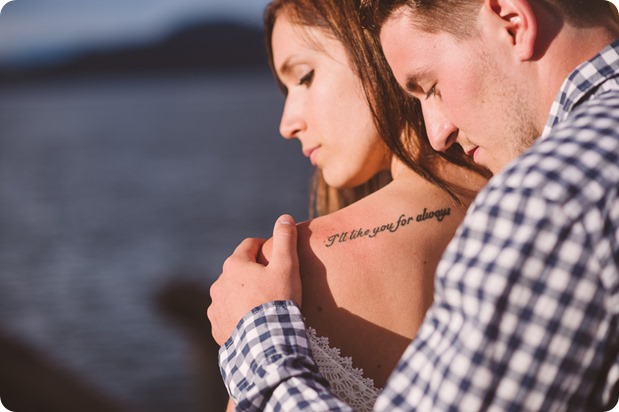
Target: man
<point>526,311</point>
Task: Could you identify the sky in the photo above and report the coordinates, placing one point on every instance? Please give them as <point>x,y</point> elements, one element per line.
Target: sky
<point>40,29</point>
<point>46,27</point>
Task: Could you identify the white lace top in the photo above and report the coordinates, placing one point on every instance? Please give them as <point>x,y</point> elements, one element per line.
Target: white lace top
<point>347,382</point>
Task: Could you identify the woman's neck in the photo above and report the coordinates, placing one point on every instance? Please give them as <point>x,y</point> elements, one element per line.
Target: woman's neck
<point>399,169</point>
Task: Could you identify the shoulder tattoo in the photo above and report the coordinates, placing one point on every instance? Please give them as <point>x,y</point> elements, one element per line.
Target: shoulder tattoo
<point>391,227</point>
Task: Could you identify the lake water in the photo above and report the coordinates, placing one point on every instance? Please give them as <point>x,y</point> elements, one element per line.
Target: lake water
<point>109,189</point>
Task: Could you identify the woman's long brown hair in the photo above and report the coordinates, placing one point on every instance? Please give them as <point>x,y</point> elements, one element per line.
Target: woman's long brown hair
<point>397,116</point>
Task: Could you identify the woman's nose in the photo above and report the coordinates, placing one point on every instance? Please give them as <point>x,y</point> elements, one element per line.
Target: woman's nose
<point>292,122</point>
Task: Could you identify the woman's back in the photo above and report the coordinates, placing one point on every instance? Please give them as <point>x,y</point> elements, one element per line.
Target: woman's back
<point>368,269</point>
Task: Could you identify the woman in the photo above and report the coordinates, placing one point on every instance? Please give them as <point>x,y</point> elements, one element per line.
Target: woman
<point>367,268</point>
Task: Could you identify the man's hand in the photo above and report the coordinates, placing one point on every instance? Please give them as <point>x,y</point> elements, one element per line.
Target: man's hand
<point>245,284</point>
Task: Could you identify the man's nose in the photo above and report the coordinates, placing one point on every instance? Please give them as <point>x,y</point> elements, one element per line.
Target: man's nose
<point>441,132</point>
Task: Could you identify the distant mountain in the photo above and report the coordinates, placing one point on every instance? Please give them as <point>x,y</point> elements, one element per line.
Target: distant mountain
<point>207,46</point>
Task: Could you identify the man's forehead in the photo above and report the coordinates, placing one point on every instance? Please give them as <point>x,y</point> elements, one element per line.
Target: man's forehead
<point>396,24</point>
<point>398,14</point>
<point>412,52</point>
<point>399,36</point>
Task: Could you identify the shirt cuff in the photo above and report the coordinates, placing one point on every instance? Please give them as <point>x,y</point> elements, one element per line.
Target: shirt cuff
<point>253,359</point>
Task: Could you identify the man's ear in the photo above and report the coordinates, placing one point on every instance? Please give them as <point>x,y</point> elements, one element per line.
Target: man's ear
<point>515,22</point>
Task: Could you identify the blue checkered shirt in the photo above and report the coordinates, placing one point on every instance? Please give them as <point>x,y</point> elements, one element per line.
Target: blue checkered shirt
<point>526,310</point>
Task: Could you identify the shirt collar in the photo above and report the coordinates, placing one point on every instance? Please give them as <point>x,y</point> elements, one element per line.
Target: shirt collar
<point>583,82</point>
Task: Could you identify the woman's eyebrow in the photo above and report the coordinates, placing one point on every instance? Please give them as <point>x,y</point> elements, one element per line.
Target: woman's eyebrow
<point>287,65</point>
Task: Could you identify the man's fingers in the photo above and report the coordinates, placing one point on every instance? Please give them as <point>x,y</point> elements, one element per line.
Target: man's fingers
<point>249,248</point>
<point>245,283</point>
<point>284,250</point>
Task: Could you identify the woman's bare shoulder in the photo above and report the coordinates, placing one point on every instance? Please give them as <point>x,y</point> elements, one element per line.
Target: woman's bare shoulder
<point>395,213</point>
<point>393,236</point>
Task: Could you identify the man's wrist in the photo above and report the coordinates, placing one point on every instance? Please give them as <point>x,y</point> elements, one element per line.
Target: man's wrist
<point>262,337</point>
<point>247,320</point>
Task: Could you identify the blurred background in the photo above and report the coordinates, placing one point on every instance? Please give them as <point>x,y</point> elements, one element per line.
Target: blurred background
<point>138,145</point>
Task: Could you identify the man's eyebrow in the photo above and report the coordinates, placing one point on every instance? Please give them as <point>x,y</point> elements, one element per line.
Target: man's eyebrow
<point>413,79</point>
<point>411,83</point>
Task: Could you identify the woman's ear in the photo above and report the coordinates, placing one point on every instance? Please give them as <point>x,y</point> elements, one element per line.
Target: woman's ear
<point>513,21</point>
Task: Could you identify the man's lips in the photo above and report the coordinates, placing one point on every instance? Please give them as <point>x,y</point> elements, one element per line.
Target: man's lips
<point>471,152</point>
<point>474,153</point>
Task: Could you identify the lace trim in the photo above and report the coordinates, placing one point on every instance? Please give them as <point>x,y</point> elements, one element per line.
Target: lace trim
<point>347,382</point>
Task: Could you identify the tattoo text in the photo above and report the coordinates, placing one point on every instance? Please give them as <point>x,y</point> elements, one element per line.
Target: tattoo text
<point>402,221</point>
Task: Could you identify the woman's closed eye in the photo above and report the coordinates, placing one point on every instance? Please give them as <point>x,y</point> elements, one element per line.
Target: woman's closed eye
<point>307,79</point>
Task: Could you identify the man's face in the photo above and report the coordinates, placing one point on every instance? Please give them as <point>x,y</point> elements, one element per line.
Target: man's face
<point>465,91</point>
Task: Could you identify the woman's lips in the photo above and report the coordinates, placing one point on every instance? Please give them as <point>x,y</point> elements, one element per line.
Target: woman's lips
<point>312,154</point>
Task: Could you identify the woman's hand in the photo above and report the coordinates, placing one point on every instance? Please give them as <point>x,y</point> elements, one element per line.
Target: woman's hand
<point>245,284</point>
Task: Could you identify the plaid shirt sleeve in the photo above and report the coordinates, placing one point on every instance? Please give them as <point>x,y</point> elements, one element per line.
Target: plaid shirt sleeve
<point>267,363</point>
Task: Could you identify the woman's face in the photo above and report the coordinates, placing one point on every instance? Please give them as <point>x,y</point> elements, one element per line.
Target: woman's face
<point>326,108</point>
